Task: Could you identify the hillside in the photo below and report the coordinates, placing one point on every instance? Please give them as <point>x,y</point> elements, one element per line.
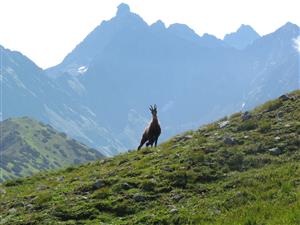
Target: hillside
<point>243,169</point>
<point>28,147</point>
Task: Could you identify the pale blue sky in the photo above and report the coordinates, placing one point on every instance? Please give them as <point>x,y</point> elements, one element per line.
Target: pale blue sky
<point>46,30</point>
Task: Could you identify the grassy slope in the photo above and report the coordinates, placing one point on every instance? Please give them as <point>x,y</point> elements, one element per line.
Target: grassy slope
<point>28,147</point>
<point>210,176</point>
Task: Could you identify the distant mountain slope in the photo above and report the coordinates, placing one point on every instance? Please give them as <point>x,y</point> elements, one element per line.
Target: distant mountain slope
<point>273,65</point>
<point>25,87</point>
<point>242,38</point>
<point>243,169</point>
<point>28,146</point>
<point>27,91</point>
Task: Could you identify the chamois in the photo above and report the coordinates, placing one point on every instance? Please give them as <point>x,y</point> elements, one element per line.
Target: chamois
<point>153,131</point>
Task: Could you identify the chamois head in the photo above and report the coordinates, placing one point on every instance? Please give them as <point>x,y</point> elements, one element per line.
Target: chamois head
<point>153,110</point>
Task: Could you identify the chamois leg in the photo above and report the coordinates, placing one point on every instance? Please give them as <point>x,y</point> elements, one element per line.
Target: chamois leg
<point>156,142</point>
<point>142,142</point>
<point>150,142</point>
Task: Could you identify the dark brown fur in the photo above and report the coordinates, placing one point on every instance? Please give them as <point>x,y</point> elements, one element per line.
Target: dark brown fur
<point>153,131</point>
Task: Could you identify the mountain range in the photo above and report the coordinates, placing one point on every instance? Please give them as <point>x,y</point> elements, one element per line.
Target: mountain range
<point>100,93</point>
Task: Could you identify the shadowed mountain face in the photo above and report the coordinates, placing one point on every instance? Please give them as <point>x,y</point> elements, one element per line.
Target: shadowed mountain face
<point>27,91</point>
<point>108,81</point>
<point>28,146</point>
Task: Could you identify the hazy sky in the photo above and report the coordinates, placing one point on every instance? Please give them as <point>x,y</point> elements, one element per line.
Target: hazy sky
<point>46,30</point>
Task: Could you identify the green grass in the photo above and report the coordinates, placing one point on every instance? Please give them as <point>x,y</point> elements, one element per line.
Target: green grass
<point>219,176</point>
<point>28,147</point>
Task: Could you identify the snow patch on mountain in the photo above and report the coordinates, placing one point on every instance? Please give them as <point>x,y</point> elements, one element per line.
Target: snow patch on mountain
<point>82,69</point>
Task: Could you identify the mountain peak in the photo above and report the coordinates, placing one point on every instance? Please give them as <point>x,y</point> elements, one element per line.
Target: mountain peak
<point>245,28</point>
<point>183,31</point>
<point>181,28</point>
<point>289,27</point>
<point>244,36</point>
<point>158,25</point>
<point>123,9</point>
<point>288,31</point>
